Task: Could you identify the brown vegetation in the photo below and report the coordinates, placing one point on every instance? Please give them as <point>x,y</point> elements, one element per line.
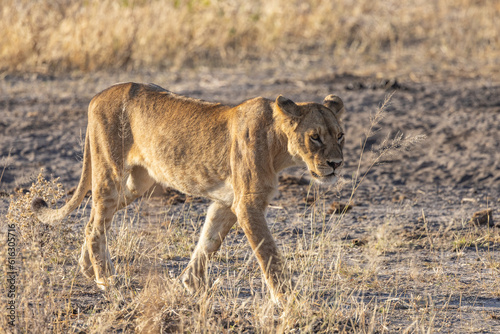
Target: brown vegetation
<point>400,37</point>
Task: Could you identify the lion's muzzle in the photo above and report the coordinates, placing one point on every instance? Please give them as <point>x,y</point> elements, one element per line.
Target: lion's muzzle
<point>335,164</point>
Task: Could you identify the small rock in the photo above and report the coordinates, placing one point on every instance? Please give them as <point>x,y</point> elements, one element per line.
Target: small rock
<point>358,242</point>
<point>468,200</point>
<point>482,217</point>
<point>338,207</point>
<point>398,198</point>
<point>297,231</point>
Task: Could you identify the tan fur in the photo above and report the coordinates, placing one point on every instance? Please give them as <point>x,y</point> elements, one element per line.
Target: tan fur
<point>141,134</point>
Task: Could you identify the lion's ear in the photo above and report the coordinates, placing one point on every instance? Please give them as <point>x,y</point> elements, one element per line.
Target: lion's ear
<point>288,107</point>
<point>335,104</point>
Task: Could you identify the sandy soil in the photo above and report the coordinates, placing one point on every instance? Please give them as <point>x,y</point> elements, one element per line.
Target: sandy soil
<point>428,192</point>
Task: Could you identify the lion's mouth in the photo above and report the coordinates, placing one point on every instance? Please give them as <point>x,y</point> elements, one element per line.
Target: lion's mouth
<point>322,176</point>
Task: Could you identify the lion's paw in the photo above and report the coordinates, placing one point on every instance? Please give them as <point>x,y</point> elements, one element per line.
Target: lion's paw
<point>193,281</point>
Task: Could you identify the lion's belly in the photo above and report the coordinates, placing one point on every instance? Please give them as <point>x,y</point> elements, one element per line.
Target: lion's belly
<point>194,181</point>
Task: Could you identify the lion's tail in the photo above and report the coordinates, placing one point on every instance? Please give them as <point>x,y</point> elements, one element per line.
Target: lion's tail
<point>47,215</point>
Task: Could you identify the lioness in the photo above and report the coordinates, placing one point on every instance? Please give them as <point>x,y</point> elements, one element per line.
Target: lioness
<point>139,134</point>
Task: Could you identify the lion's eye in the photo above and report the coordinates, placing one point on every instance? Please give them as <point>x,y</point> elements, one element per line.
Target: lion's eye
<point>316,138</point>
<point>340,137</point>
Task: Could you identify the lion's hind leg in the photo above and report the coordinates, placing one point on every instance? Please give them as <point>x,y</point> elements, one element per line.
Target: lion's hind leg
<point>84,260</point>
<point>105,203</point>
<point>95,260</point>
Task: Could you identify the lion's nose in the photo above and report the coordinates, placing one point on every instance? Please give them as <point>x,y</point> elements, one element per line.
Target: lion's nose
<point>334,164</point>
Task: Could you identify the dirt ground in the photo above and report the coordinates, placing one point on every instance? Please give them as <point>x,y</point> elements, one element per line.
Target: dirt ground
<point>414,207</point>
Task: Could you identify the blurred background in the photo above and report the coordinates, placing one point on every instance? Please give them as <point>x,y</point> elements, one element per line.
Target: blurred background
<point>420,38</point>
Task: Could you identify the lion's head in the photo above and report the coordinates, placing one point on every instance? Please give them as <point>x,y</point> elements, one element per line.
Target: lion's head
<point>315,135</point>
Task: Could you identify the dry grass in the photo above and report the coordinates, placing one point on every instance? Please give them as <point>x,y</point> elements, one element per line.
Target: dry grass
<point>151,299</point>
<point>418,37</point>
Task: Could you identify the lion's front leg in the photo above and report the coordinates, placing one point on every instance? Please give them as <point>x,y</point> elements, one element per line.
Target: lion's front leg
<point>218,222</point>
<point>252,220</point>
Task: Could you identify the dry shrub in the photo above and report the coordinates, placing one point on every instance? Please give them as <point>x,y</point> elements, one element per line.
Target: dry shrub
<point>374,36</point>
<point>48,239</point>
<point>163,306</point>
<point>389,148</point>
